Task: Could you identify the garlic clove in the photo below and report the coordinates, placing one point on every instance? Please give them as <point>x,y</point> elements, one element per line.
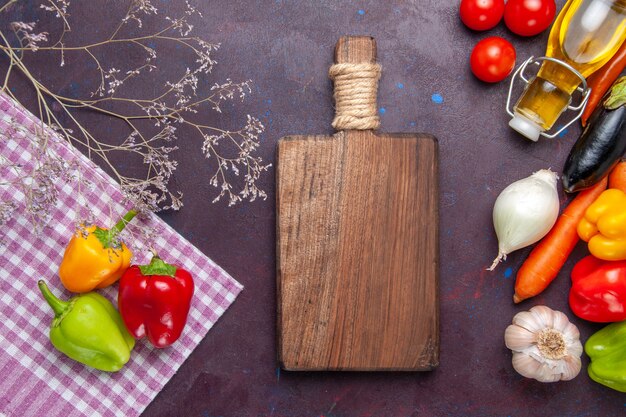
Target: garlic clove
<point>571,333</point>
<point>575,349</point>
<point>561,322</point>
<point>534,353</point>
<point>544,315</point>
<point>525,365</point>
<point>528,321</point>
<point>518,338</point>
<point>572,367</point>
<point>547,373</point>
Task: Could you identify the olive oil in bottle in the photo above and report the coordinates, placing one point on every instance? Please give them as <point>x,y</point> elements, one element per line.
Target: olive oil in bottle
<point>585,35</point>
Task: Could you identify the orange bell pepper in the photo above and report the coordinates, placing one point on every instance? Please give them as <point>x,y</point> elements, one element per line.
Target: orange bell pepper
<point>95,258</point>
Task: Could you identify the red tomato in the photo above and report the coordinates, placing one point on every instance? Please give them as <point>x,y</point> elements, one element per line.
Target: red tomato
<point>492,59</point>
<point>529,17</point>
<point>481,14</point>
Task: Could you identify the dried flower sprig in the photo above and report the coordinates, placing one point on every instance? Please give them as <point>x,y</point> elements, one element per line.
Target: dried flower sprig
<point>233,152</point>
<point>37,181</point>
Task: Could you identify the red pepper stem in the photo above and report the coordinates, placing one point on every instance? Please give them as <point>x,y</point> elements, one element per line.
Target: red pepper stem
<point>158,267</point>
<point>119,226</point>
<point>57,305</point>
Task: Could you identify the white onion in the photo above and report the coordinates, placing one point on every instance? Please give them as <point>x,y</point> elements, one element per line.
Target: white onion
<point>524,212</point>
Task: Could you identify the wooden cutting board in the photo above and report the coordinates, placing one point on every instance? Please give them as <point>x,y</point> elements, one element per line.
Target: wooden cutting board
<point>357,225</point>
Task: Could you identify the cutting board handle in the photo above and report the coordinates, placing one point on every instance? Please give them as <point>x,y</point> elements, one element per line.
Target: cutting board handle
<point>356,76</point>
<point>355,50</point>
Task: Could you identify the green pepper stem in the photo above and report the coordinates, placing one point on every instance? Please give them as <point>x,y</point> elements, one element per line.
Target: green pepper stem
<point>119,226</point>
<point>57,305</point>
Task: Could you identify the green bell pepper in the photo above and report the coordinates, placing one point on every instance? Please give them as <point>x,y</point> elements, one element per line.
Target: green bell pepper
<point>607,350</point>
<point>88,329</point>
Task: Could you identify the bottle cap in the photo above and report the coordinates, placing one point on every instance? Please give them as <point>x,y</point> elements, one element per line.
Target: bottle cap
<point>526,127</point>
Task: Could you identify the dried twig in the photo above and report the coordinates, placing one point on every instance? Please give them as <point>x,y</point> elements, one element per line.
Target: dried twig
<point>168,111</point>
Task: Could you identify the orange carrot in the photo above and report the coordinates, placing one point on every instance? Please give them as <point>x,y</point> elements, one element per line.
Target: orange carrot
<point>617,177</point>
<point>548,257</point>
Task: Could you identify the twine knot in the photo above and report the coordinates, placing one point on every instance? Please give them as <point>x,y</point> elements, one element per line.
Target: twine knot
<point>356,86</point>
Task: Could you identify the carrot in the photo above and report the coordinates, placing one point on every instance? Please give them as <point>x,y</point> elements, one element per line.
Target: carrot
<point>617,177</point>
<point>548,257</point>
<point>601,80</point>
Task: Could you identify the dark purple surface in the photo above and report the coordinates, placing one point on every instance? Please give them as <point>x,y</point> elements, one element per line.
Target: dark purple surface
<point>286,47</point>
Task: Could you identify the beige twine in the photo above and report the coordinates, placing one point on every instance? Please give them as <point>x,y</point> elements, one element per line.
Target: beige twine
<point>356,86</point>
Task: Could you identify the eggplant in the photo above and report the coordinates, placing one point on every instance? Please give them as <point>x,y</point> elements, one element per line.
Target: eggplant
<point>601,144</point>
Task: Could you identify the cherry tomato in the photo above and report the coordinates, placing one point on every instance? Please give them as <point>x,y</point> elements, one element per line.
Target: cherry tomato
<point>529,17</point>
<point>481,14</point>
<point>492,59</point>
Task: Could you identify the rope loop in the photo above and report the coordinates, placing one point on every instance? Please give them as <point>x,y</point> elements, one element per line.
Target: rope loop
<point>356,86</point>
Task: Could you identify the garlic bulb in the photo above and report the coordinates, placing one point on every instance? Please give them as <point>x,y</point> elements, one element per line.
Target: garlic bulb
<point>524,212</point>
<point>545,345</point>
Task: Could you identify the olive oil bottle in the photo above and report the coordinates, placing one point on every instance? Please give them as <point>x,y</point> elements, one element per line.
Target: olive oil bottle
<point>585,35</point>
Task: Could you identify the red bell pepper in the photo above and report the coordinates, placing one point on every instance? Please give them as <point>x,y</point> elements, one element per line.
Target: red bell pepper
<point>599,290</point>
<point>154,301</point>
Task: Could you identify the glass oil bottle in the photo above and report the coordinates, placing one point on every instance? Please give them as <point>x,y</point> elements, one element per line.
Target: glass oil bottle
<point>585,35</point>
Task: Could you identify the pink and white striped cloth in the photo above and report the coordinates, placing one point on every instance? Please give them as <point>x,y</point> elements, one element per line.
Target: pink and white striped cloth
<point>36,379</point>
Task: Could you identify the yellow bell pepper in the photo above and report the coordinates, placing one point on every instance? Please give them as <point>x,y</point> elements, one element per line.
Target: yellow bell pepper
<point>604,226</point>
<point>94,258</point>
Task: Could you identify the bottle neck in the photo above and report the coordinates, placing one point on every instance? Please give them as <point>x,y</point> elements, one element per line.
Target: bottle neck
<point>587,33</point>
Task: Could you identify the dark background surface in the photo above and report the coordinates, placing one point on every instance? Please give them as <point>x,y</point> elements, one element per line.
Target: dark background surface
<point>285,48</point>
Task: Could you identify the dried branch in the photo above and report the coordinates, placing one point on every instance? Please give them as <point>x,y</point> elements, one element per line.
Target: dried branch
<point>169,111</point>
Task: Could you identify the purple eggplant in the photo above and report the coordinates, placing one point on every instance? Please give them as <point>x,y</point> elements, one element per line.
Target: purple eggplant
<point>601,144</point>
